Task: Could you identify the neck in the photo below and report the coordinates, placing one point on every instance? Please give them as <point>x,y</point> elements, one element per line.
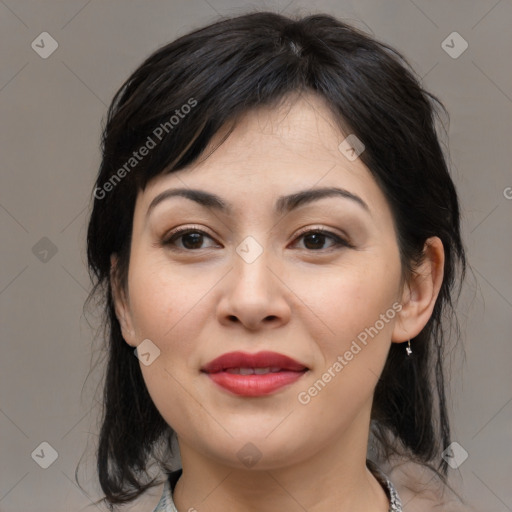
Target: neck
<point>334,478</point>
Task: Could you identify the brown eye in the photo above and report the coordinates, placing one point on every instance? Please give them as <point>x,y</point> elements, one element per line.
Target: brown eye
<point>192,239</point>
<point>315,239</point>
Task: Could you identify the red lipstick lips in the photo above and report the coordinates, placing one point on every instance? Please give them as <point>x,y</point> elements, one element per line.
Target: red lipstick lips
<point>253,374</point>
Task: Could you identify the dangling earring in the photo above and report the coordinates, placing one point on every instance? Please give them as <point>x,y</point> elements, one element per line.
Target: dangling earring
<point>408,348</point>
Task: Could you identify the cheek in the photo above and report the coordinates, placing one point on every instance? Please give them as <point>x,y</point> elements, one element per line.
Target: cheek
<point>162,298</point>
<point>164,305</point>
<point>354,318</point>
<point>350,298</point>
<point>354,337</point>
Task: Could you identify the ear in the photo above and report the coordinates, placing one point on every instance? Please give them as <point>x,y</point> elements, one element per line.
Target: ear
<point>121,304</point>
<point>420,293</point>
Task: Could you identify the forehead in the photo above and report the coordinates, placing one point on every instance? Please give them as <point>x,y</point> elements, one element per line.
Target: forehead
<point>300,127</point>
<point>273,151</point>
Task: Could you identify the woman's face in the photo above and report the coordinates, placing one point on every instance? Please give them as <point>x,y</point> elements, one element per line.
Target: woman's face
<point>248,278</point>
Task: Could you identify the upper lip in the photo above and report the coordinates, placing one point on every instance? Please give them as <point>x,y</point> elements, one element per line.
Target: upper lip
<point>259,360</point>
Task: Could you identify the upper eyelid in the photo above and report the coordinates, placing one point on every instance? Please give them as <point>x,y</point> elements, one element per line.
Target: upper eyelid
<point>184,229</point>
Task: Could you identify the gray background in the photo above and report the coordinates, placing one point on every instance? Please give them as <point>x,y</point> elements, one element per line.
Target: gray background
<point>51,111</point>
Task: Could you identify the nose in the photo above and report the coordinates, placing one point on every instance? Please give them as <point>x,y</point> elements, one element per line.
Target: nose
<point>255,294</point>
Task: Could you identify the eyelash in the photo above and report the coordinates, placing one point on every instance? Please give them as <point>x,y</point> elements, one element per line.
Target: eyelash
<point>169,240</point>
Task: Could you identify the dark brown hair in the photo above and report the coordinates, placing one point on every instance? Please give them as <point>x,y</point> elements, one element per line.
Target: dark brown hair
<point>227,69</point>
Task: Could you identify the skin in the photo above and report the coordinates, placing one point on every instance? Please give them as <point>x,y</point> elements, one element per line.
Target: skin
<point>302,297</point>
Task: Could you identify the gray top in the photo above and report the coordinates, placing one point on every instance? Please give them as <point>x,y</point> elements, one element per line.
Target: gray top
<point>166,503</point>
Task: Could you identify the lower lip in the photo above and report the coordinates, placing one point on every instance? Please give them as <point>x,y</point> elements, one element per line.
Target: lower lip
<point>255,385</point>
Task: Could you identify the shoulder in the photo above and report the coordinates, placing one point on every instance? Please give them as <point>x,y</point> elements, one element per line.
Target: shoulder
<point>165,504</point>
<point>150,499</point>
<point>421,490</point>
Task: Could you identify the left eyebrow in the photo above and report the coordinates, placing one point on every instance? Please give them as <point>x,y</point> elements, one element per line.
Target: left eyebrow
<point>284,204</point>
